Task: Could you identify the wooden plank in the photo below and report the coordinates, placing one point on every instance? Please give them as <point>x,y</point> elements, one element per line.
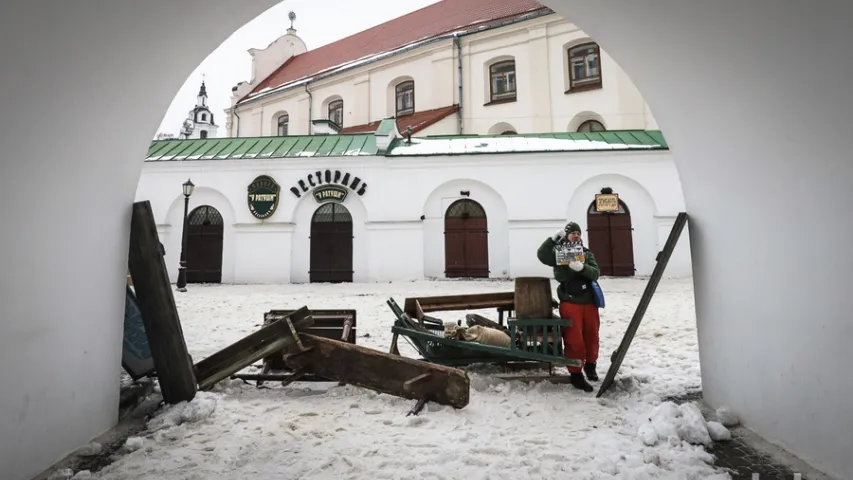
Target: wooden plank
<point>157,305</point>
<point>459,302</point>
<point>556,379</point>
<point>327,323</point>
<point>239,355</point>
<point>662,260</point>
<point>381,372</point>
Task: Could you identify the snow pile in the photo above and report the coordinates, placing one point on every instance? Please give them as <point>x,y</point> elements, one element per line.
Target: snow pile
<point>201,407</point>
<point>673,424</point>
<point>508,430</point>
<point>92,449</point>
<point>727,417</point>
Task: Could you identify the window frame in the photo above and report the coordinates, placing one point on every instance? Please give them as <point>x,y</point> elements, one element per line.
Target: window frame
<point>508,96</point>
<point>401,89</point>
<point>336,105</point>
<point>588,82</point>
<point>283,120</point>
<point>591,122</point>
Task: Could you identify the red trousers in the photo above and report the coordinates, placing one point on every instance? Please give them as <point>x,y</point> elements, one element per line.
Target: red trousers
<point>581,339</point>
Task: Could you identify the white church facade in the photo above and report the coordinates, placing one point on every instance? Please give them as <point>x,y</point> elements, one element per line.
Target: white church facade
<point>453,67</point>
<point>380,206</point>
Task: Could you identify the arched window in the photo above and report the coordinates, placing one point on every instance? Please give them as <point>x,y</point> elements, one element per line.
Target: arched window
<point>590,126</point>
<point>202,134</point>
<point>336,112</point>
<point>584,67</point>
<point>283,121</point>
<point>502,81</point>
<point>203,117</point>
<point>405,98</point>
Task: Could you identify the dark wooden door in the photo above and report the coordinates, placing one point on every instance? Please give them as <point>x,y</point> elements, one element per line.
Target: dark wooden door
<point>205,233</point>
<point>466,241</point>
<point>331,245</point>
<point>611,240</point>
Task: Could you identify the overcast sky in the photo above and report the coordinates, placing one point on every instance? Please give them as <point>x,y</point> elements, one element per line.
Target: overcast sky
<point>317,23</point>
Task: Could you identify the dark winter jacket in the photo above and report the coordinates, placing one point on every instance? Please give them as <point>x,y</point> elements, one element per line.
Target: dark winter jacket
<point>572,283</point>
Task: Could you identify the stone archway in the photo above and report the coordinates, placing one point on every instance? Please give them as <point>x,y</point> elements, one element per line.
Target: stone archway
<point>697,47</point>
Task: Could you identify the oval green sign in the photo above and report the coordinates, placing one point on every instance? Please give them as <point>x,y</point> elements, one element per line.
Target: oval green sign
<point>263,197</point>
<point>331,193</point>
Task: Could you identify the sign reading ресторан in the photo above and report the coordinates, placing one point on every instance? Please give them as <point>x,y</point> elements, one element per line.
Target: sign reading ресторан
<point>263,196</point>
<point>326,178</point>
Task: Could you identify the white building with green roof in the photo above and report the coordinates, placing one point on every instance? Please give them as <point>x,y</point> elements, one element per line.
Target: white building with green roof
<point>383,207</point>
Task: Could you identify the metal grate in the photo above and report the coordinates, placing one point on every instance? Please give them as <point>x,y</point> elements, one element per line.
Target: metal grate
<point>466,209</point>
<point>332,213</point>
<point>205,215</point>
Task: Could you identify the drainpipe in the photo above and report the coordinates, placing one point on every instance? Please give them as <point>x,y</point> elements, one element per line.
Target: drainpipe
<point>458,42</point>
<point>310,105</point>
<point>234,111</point>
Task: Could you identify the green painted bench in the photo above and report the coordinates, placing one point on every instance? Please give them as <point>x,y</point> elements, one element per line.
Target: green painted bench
<point>534,340</point>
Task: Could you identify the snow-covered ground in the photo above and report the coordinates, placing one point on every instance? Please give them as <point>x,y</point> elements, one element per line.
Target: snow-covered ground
<point>509,430</point>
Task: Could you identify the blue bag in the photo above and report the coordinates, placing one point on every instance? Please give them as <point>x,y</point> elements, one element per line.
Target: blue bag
<point>598,294</point>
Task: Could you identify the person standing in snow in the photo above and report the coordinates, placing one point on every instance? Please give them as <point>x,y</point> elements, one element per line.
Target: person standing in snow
<point>577,301</point>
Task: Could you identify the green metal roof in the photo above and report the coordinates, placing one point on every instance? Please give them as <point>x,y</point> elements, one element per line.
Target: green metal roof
<point>263,147</point>
<point>365,145</point>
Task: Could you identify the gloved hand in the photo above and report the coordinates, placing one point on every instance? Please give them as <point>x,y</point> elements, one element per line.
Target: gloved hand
<point>576,266</point>
<point>561,234</point>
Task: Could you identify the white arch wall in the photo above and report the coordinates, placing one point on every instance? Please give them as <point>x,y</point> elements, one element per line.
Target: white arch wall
<point>90,63</point>
<point>730,86</point>
<point>788,380</point>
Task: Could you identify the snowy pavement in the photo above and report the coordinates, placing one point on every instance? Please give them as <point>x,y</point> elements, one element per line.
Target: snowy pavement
<point>509,429</point>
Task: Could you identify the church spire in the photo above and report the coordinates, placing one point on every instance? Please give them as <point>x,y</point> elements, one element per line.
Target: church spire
<point>201,100</point>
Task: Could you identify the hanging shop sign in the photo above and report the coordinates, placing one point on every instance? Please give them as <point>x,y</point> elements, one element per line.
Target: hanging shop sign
<point>263,196</point>
<point>330,193</point>
<point>607,202</point>
<point>328,178</point>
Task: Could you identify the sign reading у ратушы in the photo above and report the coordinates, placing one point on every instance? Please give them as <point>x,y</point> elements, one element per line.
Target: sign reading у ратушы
<point>263,197</point>
<point>330,193</point>
<point>607,202</point>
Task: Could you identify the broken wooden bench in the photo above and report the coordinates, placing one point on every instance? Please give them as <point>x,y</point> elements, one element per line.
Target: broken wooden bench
<point>535,340</point>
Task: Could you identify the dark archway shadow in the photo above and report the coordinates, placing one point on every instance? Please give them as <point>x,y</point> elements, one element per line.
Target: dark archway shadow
<point>729,82</point>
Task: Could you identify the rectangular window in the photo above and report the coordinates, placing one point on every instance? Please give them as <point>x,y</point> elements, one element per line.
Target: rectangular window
<point>502,80</point>
<point>336,112</point>
<point>283,122</point>
<point>405,93</point>
<point>585,66</point>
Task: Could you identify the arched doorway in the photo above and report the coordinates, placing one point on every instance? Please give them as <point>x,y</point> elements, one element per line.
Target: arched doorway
<point>331,244</point>
<point>466,240</point>
<point>611,240</point>
<point>205,231</point>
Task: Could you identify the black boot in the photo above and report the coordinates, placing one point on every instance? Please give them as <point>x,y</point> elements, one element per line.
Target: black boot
<point>579,382</point>
<point>589,369</point>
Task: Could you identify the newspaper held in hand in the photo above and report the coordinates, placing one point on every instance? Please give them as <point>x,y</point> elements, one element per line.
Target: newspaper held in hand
<point>568,252</point>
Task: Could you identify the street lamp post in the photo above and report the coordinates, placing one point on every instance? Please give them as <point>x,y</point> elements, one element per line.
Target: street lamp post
<point>182,267</point>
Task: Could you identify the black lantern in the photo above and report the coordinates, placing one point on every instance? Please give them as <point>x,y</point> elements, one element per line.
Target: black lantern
<point>188,188</point>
